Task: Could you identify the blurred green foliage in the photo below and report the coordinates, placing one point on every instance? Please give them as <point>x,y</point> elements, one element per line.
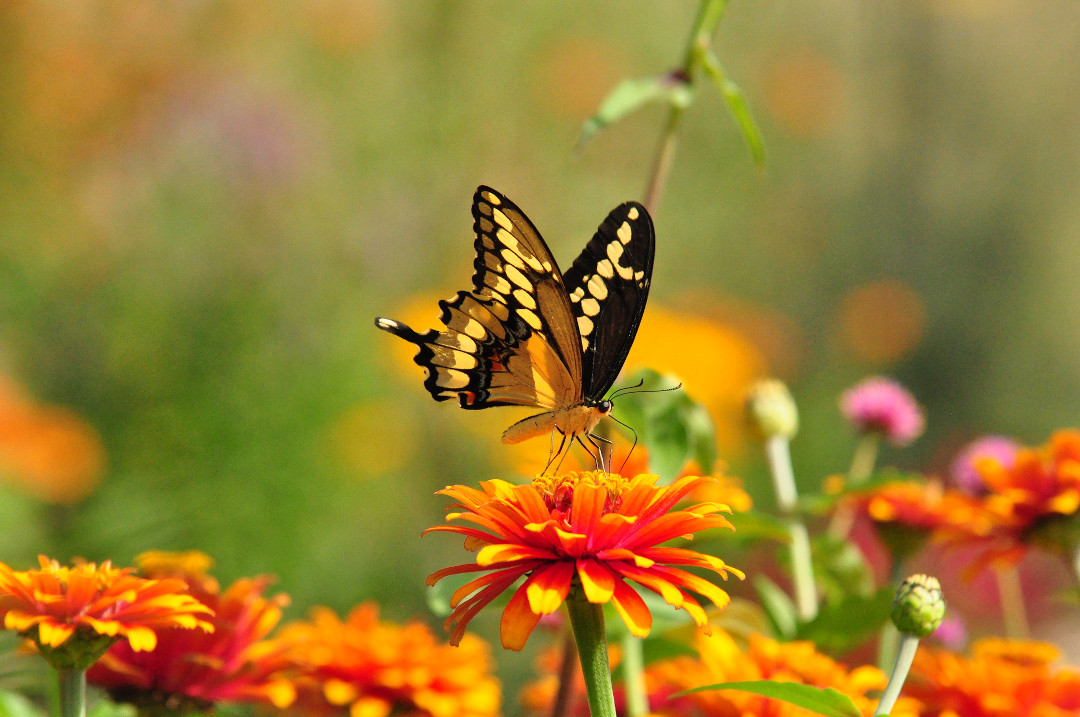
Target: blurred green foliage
<point>202,206</point>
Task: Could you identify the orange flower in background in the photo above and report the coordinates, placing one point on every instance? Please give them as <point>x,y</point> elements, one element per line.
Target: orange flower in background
<point>47,451</point>
<point>234,663</point>
<point>591,531</point>
<point>1001,678</point>
<point>375,668</point>
<point>54,604</point>
<point>1025,496</point>
<point>721,659</point>
<point>1041,483</point>
<point>724,658</point>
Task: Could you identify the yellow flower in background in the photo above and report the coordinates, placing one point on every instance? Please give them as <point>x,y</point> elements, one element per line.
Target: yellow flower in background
<point>715,363</point>
<point>72,613</point>
<point>1001,678</point>
<point>373,668</point>
<point>194,669</point>
<point>590,531</point>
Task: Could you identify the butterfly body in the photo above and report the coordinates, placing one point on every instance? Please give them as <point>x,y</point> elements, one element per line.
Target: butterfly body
<point>528,335</point>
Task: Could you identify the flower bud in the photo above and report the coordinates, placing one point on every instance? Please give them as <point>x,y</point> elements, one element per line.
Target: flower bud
<point>772,410</point>
<point>918,607</point>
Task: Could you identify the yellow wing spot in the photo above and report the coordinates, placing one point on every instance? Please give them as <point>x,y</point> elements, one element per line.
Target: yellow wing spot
<point>502,220</point>
<point>525,298</point>
<point>497,283</point>
<point>512,258</point>
<point>624,233</point>
<point>530,318</point>
<point>577,294</point>
<point>387,323</point>
<point>598,287</point>
<point>491,198</point>
<point>591,307</point>
<point>632,214</point>
<point>518,278</point>
<point>614,252</point>
<point>584,344</point>
<point>585,325</point>
<point>457,341</point>
<point>499,310</point>
<point>452,378</point>
<point>509,240</point>
<point>626,272</point>
<point>464,360</point>
<point>474,329</point>
<point>639,275</point>
<point>605,269</point>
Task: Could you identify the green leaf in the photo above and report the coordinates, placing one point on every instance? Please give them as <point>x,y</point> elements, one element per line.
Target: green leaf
<point>843,625</point>
<point>827,701</point>
<point>736,102</point>
<point>12,704</point>
<point>631,95</point>
<point>672,426</point>
<point>779,607</point>
<point>840,568</point>
<point>752,525</point>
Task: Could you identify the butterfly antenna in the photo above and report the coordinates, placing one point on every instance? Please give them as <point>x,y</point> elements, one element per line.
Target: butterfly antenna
<point>631,447</point>
<point>619,391</point>
<point>630,389</point>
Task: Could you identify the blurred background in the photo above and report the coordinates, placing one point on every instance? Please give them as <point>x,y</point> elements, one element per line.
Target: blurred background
<point>203,206</point>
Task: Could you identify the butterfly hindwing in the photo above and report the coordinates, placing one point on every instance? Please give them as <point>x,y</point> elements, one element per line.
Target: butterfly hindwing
<point>608,285</point>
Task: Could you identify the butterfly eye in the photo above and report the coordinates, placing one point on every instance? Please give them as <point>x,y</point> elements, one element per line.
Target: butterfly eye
<point>605,407</point>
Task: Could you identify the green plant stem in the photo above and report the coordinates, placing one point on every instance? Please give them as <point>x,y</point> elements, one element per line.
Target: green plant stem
<point>864,460</point>
<point>708,18</point>
<point>905,653</point>
<point>633,667</point>
<point>1013,613</point>
<point>778,454</point>
<point>72,693</point>
<point>889,637</point>
<point>587,620</point>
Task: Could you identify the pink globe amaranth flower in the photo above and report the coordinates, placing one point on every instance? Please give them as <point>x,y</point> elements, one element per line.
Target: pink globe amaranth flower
<point>963,469</point>
<point>879,405</point>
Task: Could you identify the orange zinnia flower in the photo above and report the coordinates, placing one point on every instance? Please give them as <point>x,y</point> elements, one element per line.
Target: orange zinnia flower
<point>593,530</point>
<point>373,668</point>
<point>1002,678</point>
<point>95,605</point>
<point>194,669</point>
<point>1026,500</point>
<point>722,658</point>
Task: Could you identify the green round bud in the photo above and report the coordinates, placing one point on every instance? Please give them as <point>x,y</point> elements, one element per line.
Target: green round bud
<point>918,607</point>
<point>772,410</point>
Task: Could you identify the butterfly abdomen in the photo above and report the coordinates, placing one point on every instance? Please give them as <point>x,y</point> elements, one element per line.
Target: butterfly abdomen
<point>573,421</point>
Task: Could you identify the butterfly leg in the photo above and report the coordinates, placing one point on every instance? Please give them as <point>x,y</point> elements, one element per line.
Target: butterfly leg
<point>593,438</point>
<point>555,454</point>
<point>598,457</point>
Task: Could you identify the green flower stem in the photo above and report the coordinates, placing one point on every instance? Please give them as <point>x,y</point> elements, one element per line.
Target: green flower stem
<point>889,637</point>
<point>587,620</point>
<point>778,453</point>
<point>1013,613</point>
<point>904,656</point>
<point>708,18</point>
<point>633,668</point>
<point>72,693</point>
<point>864,460</point>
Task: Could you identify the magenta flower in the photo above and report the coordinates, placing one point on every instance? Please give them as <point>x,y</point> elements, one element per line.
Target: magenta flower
<point>997,448</point>
<point>878,405</point>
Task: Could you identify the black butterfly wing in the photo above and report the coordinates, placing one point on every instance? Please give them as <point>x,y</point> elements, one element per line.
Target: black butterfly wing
<point>608,285</point>
<point>513,339</point>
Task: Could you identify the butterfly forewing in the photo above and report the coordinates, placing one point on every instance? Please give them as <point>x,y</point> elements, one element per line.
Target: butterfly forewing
<point>608,285</point>
<point>512,340</point>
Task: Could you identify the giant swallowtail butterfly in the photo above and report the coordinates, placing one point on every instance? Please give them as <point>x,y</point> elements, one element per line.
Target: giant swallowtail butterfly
<point>529,335</point>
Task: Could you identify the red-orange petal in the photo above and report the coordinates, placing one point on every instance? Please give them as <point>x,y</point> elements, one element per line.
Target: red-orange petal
<point>549,586</point>
<point>518,620</point>
<point>632,609</point>
<point>596,580</point>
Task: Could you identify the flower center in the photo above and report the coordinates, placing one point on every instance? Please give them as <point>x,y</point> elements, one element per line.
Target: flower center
<point>558,490</point>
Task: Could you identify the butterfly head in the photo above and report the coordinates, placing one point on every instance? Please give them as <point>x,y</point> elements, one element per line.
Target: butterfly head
<point>604,407</point>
